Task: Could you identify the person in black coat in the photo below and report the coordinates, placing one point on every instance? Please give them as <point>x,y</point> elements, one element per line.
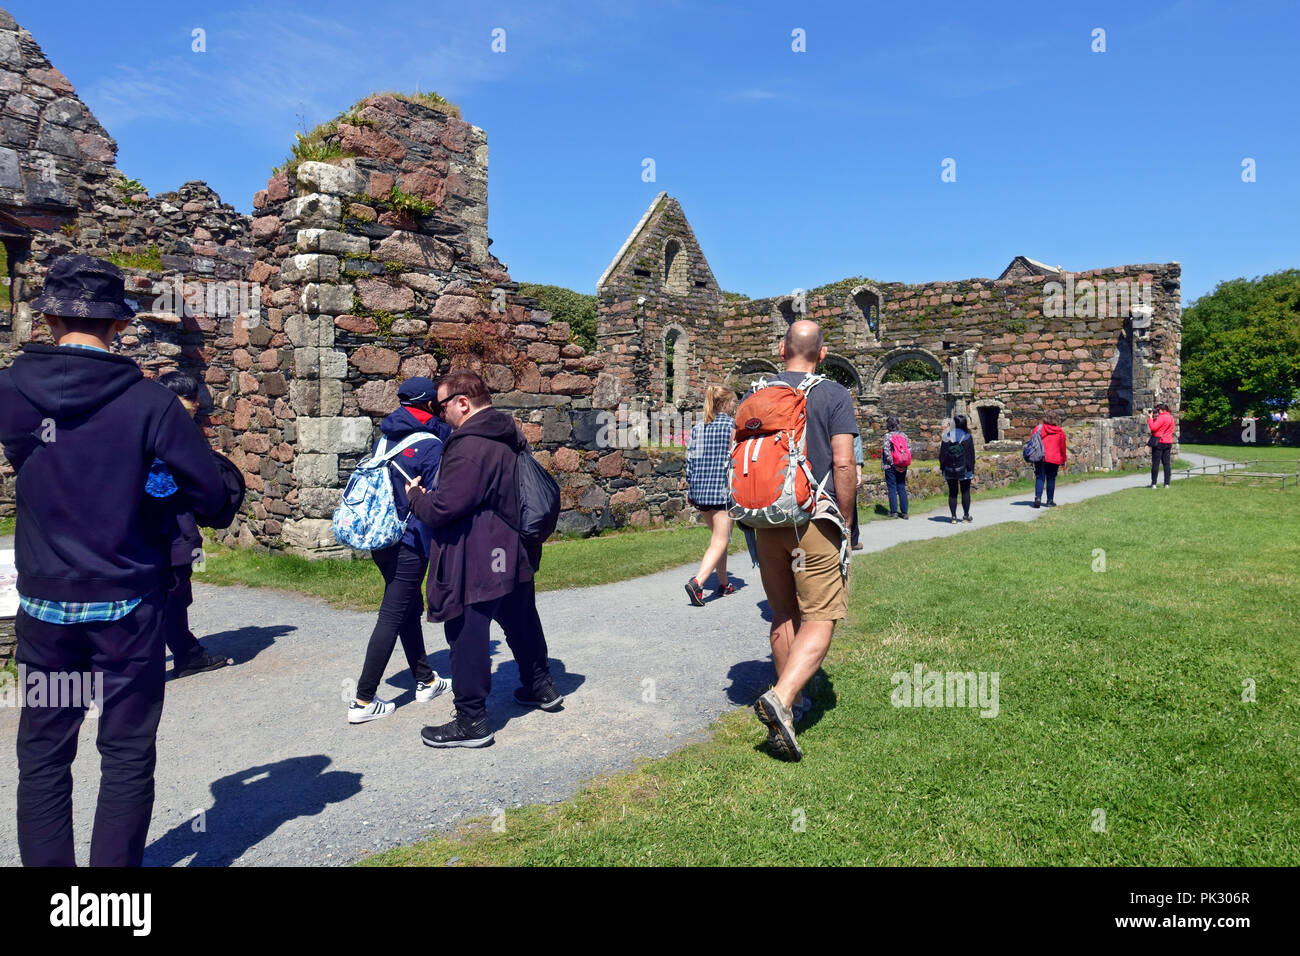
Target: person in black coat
<point>479,568</point>
<point>185,543</point>
<point>957,461</point>
<point>82,427</point>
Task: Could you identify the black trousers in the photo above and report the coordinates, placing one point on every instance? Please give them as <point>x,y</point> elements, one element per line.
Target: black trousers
<point>471,662</point>
<point>1159,456</point>
<point>403,568</point>
<point>179,638</point>
<point>965,495</point>
<point>127,656</point>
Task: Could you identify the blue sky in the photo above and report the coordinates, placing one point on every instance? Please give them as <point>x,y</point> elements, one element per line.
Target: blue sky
<point>795,169</point>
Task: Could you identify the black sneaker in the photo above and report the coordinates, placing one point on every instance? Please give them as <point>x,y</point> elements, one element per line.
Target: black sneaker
<point>903,516</point>
<point>968,518</point>
<point>1051,504</point>
<point>458,734</point>
<point>1037,503</point>
<point>199,665</point>
<point>546,697</point>
<point>696,592</point>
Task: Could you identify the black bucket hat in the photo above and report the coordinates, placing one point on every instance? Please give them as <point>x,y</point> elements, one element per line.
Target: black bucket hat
<point>82,287</point>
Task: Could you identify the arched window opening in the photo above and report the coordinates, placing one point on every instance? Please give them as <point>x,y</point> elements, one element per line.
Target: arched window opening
<point>868,304</point>
<point>911,370</point>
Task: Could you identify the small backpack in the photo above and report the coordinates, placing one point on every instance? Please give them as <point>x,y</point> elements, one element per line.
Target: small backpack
<point>900,452</point>
<point>539,499</point>
<point>367,518</point>
<point>770,482</point>
<point>954,457</point>
<point>1034,447</point>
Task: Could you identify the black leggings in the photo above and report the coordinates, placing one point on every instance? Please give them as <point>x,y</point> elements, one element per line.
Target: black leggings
<point>1159,456</point>
<point>965,495</point>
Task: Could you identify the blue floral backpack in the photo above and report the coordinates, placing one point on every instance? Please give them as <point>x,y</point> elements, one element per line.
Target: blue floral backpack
<point>367,518</point>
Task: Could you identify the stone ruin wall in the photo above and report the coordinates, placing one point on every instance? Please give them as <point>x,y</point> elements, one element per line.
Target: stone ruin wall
<point>988,340</point>
<point>355,296</point>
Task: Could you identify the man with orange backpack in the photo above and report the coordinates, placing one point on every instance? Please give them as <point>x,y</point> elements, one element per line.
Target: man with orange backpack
<point>793,480</point>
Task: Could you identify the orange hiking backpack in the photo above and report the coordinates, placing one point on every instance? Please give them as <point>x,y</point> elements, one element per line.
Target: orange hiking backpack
<point>769,478</point>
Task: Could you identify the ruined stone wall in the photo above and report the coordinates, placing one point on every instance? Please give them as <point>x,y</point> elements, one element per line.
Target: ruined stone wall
<point>303,319</point>
<point>1010,348</point>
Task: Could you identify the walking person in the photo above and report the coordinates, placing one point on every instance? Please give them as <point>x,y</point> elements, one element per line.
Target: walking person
<point>421,436</point>
<point>707,454</point>
<point>804,568</point>
<point>1054,454</point>
<point>480,567</point>
<point>81,427</point>
<point>957,461</point>
<point>895,457</point>
<point>1161,441</point>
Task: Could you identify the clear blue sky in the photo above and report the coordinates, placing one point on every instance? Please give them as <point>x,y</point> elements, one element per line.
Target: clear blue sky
<point>795,169</point>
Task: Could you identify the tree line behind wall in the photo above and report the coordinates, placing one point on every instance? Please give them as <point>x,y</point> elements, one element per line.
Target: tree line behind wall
<point>1241,352</point>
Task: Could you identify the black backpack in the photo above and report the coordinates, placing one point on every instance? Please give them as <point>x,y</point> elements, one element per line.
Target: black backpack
<point>954,459</point>
<point>539,503</point>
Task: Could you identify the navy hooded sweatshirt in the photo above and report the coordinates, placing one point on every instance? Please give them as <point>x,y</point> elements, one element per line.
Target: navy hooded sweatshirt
<point>421,460</point>
<point>81,428</point>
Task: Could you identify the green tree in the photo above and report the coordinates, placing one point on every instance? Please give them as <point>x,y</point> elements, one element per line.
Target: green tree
<point>912,370</point>
<point>1241,349</point>
<point>565,305</point>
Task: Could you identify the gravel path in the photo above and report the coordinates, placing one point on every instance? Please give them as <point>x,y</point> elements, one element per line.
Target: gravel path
<point>257,764</point>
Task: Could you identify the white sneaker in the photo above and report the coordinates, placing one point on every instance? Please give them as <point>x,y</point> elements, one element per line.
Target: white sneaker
<point>425,692</point>
<point>360,713</point>
<point>1152,487</point>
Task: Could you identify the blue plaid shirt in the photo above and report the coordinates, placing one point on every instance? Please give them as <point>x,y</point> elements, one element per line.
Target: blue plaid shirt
<point>80,612</point>
<point>706,462</point>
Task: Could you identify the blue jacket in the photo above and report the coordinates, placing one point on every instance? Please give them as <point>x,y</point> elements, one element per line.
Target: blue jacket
<point>422,459</point>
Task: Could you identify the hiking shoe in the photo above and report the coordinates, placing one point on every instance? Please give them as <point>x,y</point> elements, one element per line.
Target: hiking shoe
<point>546,697</point>
<point>359,713</point>
<point>1051,504</point>
<point>968,518</point>
<point>201,664</point>
<point>801,708</point>
<point>458,733</point>
<point>893,514</point>
<point>424,692</point>
<point>1037,503</point>
<point>904,516</point>
<point>696,592</point>
<point>780,723</point>
<point>859,546</point>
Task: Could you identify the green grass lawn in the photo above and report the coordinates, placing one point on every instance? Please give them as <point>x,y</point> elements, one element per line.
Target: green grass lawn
<point>6,526</point>
<point>566,563</point>
<point>1120,691</point>
<point>1283,453</point>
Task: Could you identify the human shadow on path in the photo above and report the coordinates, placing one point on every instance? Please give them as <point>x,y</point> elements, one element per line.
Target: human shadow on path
<point>249,806</point>
<point>245,643</point>
<point>501,703</point>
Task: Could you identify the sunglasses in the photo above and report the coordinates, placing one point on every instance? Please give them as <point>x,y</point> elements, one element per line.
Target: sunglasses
<point>442,405</point>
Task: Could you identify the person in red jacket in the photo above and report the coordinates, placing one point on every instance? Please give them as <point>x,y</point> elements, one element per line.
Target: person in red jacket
<point>1162,440</point>
<point>1053,458</point>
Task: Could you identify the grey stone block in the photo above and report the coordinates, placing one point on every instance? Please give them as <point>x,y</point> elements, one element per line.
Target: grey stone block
<point>340,180</point>
<point>334,435</point>
<point>314,209</point>
<point>316,470</point>
<point>319,502</point>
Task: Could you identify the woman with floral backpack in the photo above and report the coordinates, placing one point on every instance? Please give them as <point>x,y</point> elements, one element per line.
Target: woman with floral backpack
<point>895,456</point>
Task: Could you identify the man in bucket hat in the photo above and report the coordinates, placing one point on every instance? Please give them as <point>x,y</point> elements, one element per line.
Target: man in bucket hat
<point>81,427</point>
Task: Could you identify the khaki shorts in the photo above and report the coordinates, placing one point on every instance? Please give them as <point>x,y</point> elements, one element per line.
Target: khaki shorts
<point>818,591</point>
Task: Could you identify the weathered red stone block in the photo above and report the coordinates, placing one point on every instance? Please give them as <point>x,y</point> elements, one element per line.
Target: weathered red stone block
<point>566,459</point>
<point>373,360</point>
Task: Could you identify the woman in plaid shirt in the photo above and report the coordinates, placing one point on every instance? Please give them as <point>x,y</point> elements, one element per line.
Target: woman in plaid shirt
<point>706,479</point>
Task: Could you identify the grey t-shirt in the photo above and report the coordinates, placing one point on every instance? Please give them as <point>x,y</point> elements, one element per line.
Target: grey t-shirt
<point>830,412</point>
